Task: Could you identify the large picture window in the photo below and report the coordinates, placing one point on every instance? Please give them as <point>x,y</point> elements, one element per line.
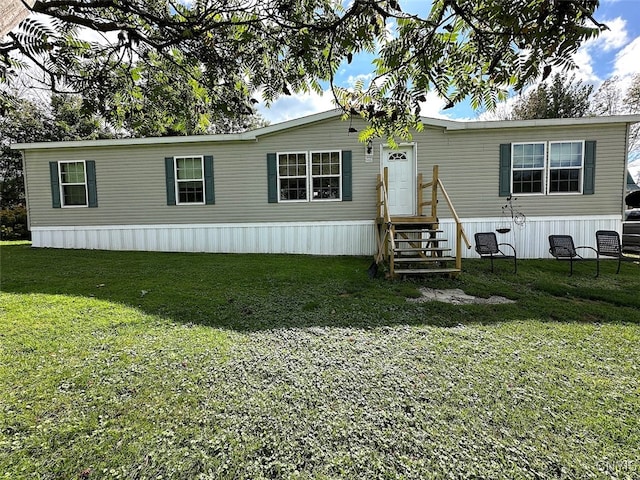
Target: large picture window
<point>317,172</point>
<point>189,180</point>
<point>73,184</point>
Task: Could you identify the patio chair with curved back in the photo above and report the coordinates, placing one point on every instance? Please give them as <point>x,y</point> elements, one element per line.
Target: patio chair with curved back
<point>487,246</point>
<point>609,245</point>
<point>561,247</point>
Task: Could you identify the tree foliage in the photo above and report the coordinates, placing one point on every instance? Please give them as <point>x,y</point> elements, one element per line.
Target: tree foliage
<point>563,97</point>
<point>31,121</point>
<point>608,99</point>
<point>228,51</point>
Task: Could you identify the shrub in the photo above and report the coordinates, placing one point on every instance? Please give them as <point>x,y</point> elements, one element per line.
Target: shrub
<point>13,223</point>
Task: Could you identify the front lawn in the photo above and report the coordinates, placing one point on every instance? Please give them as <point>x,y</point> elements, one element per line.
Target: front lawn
<point>181,366</point>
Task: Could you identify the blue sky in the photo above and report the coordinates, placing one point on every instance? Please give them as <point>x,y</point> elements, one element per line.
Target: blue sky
<point>615,52</point>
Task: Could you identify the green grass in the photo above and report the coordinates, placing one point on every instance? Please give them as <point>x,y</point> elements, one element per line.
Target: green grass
<point>157,365</point>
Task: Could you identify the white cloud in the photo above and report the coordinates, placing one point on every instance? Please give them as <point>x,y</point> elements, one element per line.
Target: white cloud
<point>433,106</point>
<point>614,38</point>
<point>365,78</point>
<point>584,62</point>
<point>626,61</point>
<point>296,106</point>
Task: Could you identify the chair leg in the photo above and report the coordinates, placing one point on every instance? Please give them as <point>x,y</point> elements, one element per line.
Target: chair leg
<point>570,266</point>
<point>618,270</point>
<point>491,263</point>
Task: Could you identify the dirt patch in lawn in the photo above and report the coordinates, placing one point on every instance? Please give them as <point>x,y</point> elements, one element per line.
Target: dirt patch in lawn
<point>455,296</point>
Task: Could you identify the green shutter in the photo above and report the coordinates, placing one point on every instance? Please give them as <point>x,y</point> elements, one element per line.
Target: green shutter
<point>170,180</point>
<point>91,183</point>
<point>589,180</point>
<point>210,197</point>
<point>55,185</point>
<point>347,177</point>
<point>505,170</point>
<point>272,178</point>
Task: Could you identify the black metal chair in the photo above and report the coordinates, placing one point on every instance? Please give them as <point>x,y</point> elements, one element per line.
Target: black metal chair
<point>487,246</point>
<point>561,247</point>
<point>609,245</point>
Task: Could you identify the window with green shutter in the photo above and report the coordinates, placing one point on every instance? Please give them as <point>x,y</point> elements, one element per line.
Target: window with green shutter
<point>547,168</point>
<point>313,176</point>
<point>73,183</point>
<point>189,180</point>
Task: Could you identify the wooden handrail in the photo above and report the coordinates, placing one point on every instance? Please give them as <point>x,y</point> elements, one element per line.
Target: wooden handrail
<point>454,213</point>
<point>383,201</point>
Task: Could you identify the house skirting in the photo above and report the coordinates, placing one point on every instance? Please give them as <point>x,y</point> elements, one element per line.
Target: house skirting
<point>531,238</point>
<point>312,238</point>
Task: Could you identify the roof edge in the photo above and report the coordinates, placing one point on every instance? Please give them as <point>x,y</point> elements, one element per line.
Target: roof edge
<point>541,122</point>
<point>252,135</point>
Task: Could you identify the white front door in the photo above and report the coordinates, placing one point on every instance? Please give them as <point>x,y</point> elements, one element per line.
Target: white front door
<point>402,180</point>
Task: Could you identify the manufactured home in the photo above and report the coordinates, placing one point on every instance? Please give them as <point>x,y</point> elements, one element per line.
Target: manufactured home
<point>308,186</point>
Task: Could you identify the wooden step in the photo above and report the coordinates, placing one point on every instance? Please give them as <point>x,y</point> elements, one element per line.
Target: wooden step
<point>422,259</point>
<point>421,240</point>
<point>421,249</point>
<point>413,219</point>
<point>420,230</point>
<point>423,271</point>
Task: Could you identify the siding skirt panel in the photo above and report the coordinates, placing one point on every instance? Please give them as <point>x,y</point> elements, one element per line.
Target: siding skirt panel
<point>531,239</point>
<point>313,238</point>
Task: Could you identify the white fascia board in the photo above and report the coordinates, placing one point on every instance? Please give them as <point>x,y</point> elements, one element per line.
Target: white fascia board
<point>112,142</point>
<point>544,122</point>
<point>251,135</point>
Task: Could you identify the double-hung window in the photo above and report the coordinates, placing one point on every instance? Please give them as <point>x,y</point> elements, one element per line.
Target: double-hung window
<point>565,167</point>
<point>528,167</point>
<point>309,176</point>
<point>325,175</point>
<point>73,184</point>
<point>189,174</point>
<point>547,167</point>
<point>292,175</point>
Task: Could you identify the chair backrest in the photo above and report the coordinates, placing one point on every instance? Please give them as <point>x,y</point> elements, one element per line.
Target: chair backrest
<point>608,243</point>
<point>561,246</point>
<point>486,243</point>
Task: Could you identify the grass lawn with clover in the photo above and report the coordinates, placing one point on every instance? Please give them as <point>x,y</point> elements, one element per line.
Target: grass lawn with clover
<point>169,365</point>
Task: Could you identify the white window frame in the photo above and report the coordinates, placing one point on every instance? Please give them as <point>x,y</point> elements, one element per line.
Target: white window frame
<point>522,169</point>
<point>179,181</point>
<point>62,184</point>
<point>580,169</point>
<point>281,177</point>
<point>333,175</point>
<point>309,176</point>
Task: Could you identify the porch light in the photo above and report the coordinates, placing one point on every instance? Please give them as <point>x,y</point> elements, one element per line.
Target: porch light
<point>369,147</point>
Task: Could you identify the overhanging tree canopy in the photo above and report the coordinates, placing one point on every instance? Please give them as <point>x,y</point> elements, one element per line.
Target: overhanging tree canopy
<point>229,50</point>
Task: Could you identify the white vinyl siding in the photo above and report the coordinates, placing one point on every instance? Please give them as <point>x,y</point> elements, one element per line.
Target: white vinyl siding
<point>73,183</point>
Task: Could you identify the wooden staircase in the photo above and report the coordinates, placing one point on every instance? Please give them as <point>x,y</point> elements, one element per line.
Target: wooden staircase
<point>414,245</point>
